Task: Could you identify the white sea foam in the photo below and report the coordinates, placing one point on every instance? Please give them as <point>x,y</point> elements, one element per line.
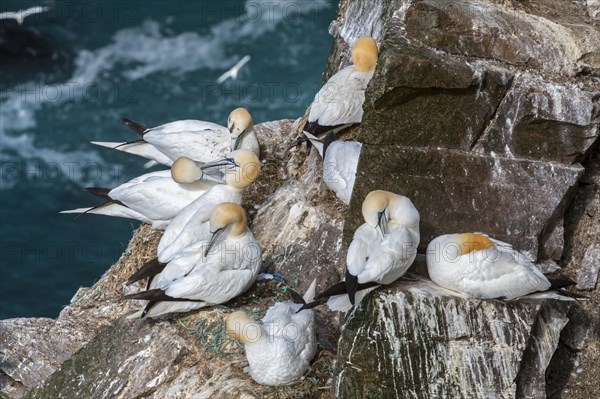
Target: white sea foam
<point>144,50</point>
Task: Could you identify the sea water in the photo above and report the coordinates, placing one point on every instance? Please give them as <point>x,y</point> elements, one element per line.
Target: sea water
<point>152,61</point>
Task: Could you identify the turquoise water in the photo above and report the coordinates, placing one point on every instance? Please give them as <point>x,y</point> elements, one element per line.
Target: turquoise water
<point>152,61</point>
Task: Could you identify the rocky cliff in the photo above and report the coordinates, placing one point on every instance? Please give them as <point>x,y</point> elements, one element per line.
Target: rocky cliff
<point>486,114</point>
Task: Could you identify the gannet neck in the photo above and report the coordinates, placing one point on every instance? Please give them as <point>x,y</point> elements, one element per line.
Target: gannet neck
<point>246,140</point>
<point>364,54</point>
<point>243,328</point>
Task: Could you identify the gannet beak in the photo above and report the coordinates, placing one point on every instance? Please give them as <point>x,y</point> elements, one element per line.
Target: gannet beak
<point>215,238</point>
<point>382,223</point>
<point>215,171</point>
<point>238,139</point>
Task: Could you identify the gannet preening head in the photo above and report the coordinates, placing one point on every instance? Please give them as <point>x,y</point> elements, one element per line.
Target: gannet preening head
<point>227,220</point>
<point>482,267</point>
<point>185,171</point>
<point>470,242</point>
<point>374,209</point>
<point>238,170</point>
<point>364,54</point>
<point>243,328</point>
<point>239,123</point>
<point>383,207</point>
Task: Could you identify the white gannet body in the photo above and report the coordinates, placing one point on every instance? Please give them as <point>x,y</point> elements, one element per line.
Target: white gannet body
<point>382,249</point>
<point>198,140</point>
<point>239,171</point>
<point>279,350</point>
<point>339,167</point>
<point>216,271</point>
<point>480,267</point>
<point>340,100</point>
<point>154,198</point>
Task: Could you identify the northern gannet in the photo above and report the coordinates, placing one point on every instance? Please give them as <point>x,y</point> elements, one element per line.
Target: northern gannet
<point>481,267</point>
<point>239,172</point>
<point>234,71</point>
<point>339,103</point>
<point>382,250</point>
<point>198,140</point>
<point>340,162</point>
<point>219,270</point>
<point>20,15</point>
<point>279,350</point>
<point>154,198</point>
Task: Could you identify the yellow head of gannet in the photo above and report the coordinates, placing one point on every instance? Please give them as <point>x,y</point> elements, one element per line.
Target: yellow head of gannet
<point>238,170</point>
<point>185,171</point>
<point>364,54</point>
<point>227,220</point>
<point>247,170</point>
<point>470,242</point>
<point>239,124</point>
<point>243,328</point>
<point>383,207</point>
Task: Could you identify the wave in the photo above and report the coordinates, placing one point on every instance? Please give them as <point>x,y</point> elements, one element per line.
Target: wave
<point>144,50</point>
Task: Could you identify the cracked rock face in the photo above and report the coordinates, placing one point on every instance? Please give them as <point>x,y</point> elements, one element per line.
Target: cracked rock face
<point>417,340</point>
<point>483,113</point>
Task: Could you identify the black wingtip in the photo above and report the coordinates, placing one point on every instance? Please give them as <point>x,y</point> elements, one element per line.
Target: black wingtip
<point>351,283</point>
<point>327,140</point>
<point>138,128</point>
<point>99,192</point>
<point>128,143</point>
<point>148,306</point>
<point>150,295</point>
<point>560,282</point>
<point>336,289</point>
<point>573,295</point>
<point>297,298</point>
<point>149,269</point>
<point>312,304</point>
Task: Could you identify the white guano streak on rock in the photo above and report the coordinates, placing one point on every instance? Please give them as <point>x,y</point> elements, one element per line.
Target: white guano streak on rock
<point>468,353</point>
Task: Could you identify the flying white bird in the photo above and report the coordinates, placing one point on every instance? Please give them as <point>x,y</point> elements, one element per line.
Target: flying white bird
<point>233,72</point>
<point>20,15</point>
<point>382,249</point>
<point>198,140</point>
<point>218,271</point>
<point>279,350</point>
<point>238,172</point>
<point>154,198</point>
<point>481,267</point>
<point>339,103</point>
